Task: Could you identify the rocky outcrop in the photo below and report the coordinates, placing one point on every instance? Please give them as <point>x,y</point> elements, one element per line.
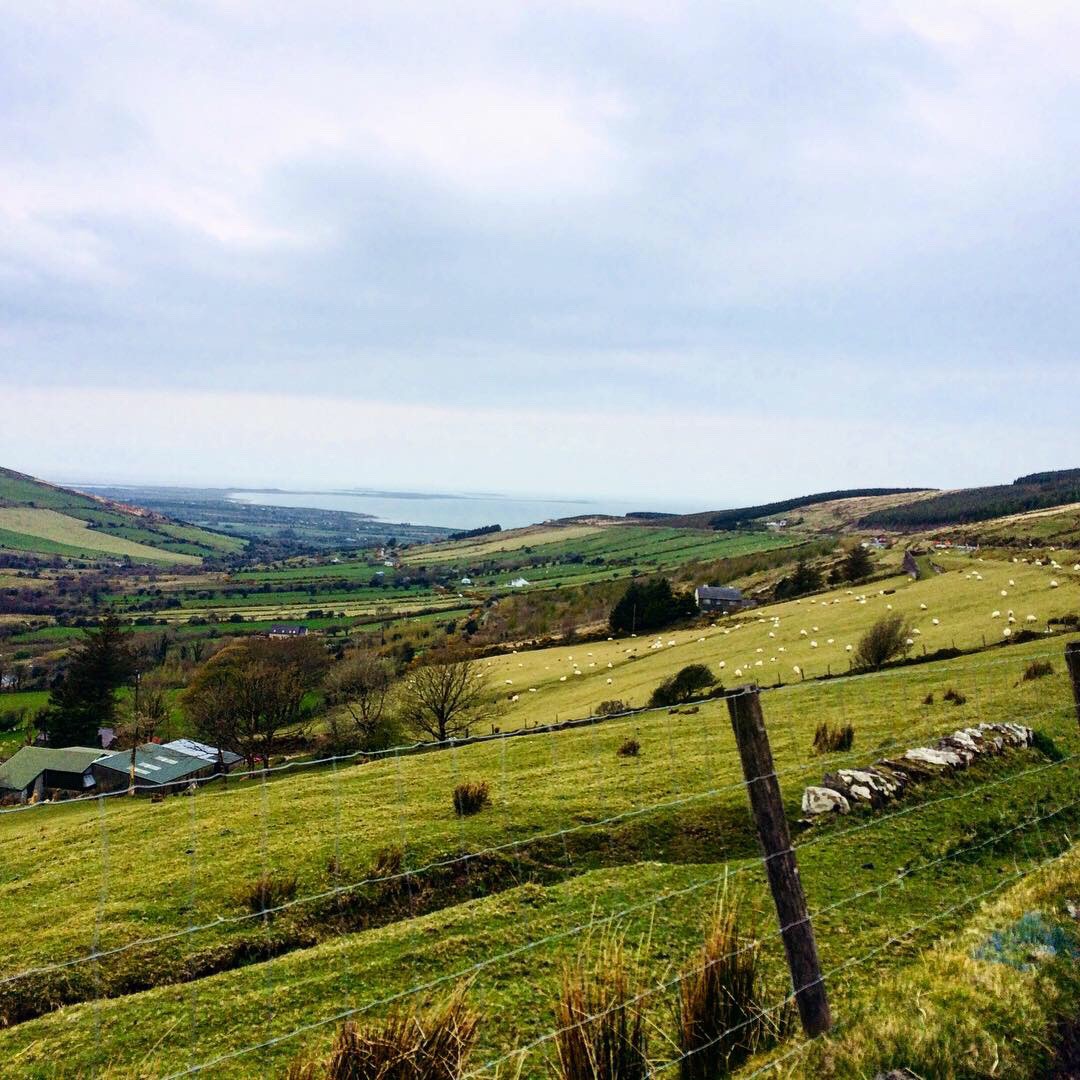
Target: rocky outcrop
<point>883,781</point>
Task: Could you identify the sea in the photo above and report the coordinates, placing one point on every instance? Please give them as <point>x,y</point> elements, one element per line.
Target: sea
<point>458,510</point>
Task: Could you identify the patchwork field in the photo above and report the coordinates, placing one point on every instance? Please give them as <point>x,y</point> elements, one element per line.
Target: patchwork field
<point>76,536</point>
<point>577,839</point>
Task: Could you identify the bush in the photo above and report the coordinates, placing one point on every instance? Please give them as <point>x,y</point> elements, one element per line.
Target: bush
<point>600,1031</point>
<point>886,639</point>
<point>719,1015</point>
<point>268,891</point>
<point>929,699</point>
<point>405,1046</point>
<point>954,696</point>
<point>1038,669</point>
<point>684,685</point>
<point>471,797</point>
<point>803,579</point>
<point>612,707</point>
<point>650,605</point>
<point>828,740</point>
<point>629,747</point>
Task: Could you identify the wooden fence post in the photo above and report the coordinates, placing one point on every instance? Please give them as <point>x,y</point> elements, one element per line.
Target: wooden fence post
<point>744,706</point>
<point>1072,661</point>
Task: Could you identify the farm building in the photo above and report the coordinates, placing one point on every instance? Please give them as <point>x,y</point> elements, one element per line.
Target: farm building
<point>203,750</point>
<point>722,599</point>
<point>283,631</point>
<point>40,769</point>
<point>157,768</point>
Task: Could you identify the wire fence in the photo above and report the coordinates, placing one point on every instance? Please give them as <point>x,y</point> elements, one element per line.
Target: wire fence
<point>566,811</point>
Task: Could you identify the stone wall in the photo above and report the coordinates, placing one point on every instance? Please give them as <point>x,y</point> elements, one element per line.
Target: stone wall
<point>886,779</point>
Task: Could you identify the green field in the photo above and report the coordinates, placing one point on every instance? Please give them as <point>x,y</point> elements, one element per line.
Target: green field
<point>812,635</point>
<point>582,833</point>
<point>49,520</point>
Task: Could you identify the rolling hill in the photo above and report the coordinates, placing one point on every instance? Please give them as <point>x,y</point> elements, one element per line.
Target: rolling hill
<point>37,518</point>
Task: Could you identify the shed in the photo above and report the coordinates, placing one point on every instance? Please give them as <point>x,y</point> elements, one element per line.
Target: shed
<point>721,598</point>
<point>204,751</point>
<point>38,769</point>
<point>156,769</point>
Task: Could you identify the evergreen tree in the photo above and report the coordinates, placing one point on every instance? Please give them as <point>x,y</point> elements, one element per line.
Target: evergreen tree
<point>858,564</point>
<point>649,605</point>
<point>86,698</point>
<point>804,579</point>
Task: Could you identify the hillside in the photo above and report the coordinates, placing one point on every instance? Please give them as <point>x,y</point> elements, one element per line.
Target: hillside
<point>742,516</point>
<point>1039,491</point>
<point>37,518</point>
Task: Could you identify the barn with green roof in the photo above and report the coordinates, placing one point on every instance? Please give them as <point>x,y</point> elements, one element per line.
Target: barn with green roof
<point>38,770</point>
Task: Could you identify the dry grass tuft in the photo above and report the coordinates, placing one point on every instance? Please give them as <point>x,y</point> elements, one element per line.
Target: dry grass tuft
<point>1038,669</point>
<point>267,892</point>
<point>828,740</point>
<point>471,797</point>
<point>629,747</point>
<point>719,1015</point>
<point>407,1045</point>
<point>601,1033</point>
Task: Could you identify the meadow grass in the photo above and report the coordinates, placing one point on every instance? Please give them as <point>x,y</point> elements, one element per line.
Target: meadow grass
<point>52,526</point>
<point>570,681</point>
<point>682,819</point>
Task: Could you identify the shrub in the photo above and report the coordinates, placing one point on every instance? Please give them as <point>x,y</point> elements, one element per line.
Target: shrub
<point>687,683</point>
<point>929,699</point>
<point>612,707</point>
<point>650,605</point>
<point>1038,669</point>
<point>719,1016</point>
<point>886,639</point>
<point>629,747</point>
<point>828,740</point>
<point>471,797</point>
<point>405,1046</point>
<point>954,696</point>
<point>268,891</point>
<point>600,1031</point>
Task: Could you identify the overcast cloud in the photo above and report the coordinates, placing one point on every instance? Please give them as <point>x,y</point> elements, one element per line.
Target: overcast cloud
<point>738,250</point>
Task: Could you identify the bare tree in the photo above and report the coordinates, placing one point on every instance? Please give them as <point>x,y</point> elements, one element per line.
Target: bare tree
<point>361,685</point>
<point>245,695</point>
<point>442,699</point>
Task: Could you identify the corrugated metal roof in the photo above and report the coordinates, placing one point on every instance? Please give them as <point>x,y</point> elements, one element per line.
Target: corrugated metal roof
<point>154,763</point>
<point>202,750</point>
<point>25,766</point>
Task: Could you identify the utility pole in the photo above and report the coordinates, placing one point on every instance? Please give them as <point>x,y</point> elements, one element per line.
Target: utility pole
<point>134,736</point>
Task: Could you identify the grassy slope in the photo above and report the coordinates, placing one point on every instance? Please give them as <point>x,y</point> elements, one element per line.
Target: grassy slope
<point>541,784</point>
<point>75,534</point>
<point>976,1018</point>
<point>114,524</point>
<point>962,604</point>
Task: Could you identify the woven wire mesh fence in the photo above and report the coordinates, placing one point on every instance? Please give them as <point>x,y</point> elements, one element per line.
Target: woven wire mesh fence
<point>237,926</point>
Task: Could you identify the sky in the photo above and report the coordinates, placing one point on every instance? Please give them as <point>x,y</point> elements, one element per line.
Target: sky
<point>715,252</point>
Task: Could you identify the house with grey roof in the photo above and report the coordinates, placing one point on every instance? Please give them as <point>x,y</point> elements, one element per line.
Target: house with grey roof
<point>721,599</point>
<point>157,769</point>
<point>40,770</point>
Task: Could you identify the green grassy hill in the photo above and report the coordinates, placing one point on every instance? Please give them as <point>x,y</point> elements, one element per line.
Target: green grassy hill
<point>41,518</point>
<point>577,839</point>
